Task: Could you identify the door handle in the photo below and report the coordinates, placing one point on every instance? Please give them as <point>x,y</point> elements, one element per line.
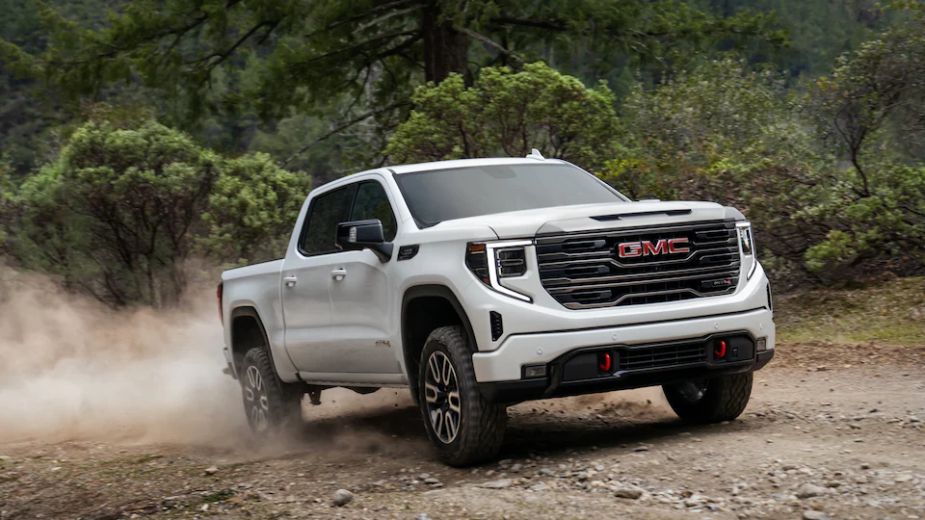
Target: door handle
<point>290,280</point>
<point>339,274</point>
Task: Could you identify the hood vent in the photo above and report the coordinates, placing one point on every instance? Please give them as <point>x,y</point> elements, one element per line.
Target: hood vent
<point>619,216</point>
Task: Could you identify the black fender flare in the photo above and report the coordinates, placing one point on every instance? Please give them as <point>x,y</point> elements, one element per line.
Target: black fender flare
<point>251,312</point>
<point>440,291</point>
<point>430,291</point>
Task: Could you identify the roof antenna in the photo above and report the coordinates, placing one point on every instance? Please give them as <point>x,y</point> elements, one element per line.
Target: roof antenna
<point>535,154</point>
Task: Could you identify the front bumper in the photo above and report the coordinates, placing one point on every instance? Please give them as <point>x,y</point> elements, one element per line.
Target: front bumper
<point>500,372</point>
<point>530,389</point>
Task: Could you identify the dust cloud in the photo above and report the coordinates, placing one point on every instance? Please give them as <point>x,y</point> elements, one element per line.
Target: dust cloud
<point>71,368</point>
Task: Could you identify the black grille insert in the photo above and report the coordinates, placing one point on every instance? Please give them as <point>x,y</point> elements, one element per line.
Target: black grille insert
<point>583,270</point>
<point>661,356</point>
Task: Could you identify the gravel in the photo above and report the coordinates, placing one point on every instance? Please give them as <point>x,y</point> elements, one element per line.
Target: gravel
<point>810,490</point>
<point>573,457</point>
<point>342,497</point>
<point>497,484</point>
<point>629,492</point>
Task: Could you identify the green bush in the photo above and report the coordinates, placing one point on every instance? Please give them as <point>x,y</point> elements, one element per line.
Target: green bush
<point>733,135</point>
<point>122,209</point>
<point>252,209</point>
<point>507,113</point>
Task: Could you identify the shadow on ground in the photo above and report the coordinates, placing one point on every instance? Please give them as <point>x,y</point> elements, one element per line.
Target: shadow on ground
<point>399,432</point>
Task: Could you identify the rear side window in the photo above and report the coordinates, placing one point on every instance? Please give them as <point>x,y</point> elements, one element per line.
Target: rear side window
<point>372,202</point>
<point>324,213</point>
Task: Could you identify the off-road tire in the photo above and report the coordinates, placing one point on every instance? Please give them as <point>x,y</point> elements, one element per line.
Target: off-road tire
<point>283,402</point>
<point>481,422</point>
<point>724,399</point>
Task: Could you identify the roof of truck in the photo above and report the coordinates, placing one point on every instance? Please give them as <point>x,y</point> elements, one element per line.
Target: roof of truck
<point>464,163</point>
<point>437,165</point>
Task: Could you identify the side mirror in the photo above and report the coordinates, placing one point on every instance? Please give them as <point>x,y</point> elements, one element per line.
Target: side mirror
<point>364,234</point>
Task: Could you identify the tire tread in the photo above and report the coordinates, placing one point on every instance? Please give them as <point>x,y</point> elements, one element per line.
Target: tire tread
<point>483,423</point>
<point>725,399</point>
<point>285,400</point>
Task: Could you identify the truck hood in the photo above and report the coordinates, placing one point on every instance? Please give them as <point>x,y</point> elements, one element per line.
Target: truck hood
<point>586,217</point>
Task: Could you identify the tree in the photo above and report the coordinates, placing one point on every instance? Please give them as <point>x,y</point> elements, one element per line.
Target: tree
<point>818,31</point>
<point>874,94</point>
<point>252,209</point>
<point>735,136</point>
<point>122,209</point>
<point>364,56</point>
<point>508,113</point>
<point>732,135</point>
<point>871,109</point>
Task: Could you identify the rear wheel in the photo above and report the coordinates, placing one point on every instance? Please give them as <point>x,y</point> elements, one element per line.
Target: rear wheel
<point>270,404</point>
<point>464,427</point>
<point>710,400</point>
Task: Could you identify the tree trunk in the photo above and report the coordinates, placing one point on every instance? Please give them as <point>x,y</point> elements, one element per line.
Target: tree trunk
<point>446,50</point>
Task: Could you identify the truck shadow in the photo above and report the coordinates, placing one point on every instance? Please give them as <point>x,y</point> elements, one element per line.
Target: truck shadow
<point>399,432</point>
<point>531,435</point>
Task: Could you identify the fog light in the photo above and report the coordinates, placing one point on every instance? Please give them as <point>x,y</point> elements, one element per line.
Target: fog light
<point>534,371</point>
<point>762,344</point>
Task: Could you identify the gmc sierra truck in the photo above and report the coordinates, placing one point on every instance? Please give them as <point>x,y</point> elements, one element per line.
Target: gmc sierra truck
<point>485,282</point>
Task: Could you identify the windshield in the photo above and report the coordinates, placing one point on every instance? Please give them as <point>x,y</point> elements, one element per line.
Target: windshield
<point>437,195</point>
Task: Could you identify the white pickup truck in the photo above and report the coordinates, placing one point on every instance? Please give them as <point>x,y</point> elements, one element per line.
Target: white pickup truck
<point>485,282</point>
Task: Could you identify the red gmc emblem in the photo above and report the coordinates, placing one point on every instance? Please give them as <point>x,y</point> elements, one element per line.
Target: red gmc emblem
<point>665,246</point>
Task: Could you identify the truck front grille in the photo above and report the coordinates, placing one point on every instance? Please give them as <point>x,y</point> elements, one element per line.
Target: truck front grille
<point>583,270</point>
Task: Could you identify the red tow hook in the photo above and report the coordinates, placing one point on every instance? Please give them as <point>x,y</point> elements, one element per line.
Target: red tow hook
<point>604,362</point>
<point>719,352</point>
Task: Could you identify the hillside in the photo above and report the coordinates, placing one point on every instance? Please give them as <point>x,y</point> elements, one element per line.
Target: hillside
<point>891,313</point>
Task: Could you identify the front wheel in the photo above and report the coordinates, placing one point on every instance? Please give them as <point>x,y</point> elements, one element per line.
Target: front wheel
<point>710,400</point>
<point>270,404</point>
<point>464,427</point>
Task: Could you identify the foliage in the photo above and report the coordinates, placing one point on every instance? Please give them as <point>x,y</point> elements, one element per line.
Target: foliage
<point>327,46</point>
<point>687,136</point>
<point>735,136</point>
<point>508,113</point>
<point>872,111</point>
<point>727,134</point>
<point>121,210</point>
<point>818,31</point>
<point>697,99</point>
<point>252,208</point>
<point>6,201</point>
<point>239,61</point>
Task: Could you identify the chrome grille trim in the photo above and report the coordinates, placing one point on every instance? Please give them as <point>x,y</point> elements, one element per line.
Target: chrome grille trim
<point>582,271</point>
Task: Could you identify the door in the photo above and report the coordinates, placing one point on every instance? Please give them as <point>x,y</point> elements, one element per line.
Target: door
<point>306,284</point>
<point>361,297</point>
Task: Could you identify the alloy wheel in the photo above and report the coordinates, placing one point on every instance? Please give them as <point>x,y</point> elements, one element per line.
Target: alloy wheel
<point>441,395</point>
<point>256,400</point>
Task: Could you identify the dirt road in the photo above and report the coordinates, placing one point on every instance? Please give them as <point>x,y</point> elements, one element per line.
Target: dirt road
<point>832,431</point>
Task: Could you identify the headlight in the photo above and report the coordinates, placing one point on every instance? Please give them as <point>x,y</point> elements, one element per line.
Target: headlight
<point>491,262</point>
<point>511,261</point>
<point>747,249</point>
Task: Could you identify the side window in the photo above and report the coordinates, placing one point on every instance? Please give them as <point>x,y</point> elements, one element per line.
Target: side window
<point>324,213</point>
<point>372,202</point>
